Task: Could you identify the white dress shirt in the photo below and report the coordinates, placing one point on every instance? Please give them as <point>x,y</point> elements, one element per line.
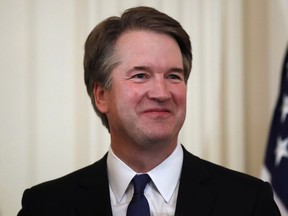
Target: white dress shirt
<point>161,192</point>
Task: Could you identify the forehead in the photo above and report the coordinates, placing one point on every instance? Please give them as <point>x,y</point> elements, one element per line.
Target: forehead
<point>138,35</point>
<point>147,45</point>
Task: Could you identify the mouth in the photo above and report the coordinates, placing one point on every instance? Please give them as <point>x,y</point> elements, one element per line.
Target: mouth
<point>157,112</point>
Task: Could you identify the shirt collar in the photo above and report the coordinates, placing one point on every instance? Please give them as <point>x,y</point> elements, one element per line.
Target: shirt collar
<point>119,174</point>
<point>165,176</point>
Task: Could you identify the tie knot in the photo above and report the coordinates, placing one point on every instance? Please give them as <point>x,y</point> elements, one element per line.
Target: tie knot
<point>140,182</point>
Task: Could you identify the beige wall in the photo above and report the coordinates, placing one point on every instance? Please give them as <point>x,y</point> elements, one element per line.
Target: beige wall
<point>265,36</point>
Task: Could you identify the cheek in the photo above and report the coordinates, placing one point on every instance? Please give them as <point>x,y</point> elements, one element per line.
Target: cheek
<point>134,92</point>
<point>180,96</point>
<point>125,97</point>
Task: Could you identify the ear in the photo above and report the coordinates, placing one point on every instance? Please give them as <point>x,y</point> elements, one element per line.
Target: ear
<point>100,98</point>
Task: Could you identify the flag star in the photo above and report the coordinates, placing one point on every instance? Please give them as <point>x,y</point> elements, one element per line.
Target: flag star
<point>284,110</point>
<point>281,150</point>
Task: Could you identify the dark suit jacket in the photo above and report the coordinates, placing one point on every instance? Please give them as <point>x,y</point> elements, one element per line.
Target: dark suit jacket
<point>205,189</point>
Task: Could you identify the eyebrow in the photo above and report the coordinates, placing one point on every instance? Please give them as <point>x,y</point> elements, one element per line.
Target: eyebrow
<point>148,69</point>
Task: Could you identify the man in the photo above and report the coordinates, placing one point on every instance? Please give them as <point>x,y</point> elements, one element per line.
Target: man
<point>136,71</point>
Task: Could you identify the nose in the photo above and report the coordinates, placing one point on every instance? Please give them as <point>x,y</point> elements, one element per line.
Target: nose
<point>159,90</point>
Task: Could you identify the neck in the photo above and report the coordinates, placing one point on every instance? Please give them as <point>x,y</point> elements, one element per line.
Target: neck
<point>143,158</point>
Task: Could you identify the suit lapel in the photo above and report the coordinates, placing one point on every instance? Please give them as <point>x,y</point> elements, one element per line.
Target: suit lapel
<point>93,196</point>
<point>194,198</point>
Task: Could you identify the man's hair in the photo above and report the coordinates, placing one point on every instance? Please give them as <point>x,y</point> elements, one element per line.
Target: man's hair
<point>100,59</point>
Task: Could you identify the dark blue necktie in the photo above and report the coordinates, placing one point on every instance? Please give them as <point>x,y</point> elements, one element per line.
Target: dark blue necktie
<point>139,205</point>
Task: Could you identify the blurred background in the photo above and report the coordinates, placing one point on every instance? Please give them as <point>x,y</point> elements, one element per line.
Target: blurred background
<point>48,127</point>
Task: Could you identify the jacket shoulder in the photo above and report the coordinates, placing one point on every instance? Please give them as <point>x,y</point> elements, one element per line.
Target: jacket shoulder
<point>216,172</point>
<point>229,189</point>
<point>61,196</point>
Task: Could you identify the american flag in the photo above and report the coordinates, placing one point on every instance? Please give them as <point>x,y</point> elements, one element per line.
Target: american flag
<point>276,160</point>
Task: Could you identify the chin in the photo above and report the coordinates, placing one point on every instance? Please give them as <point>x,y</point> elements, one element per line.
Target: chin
<point>159,139</point>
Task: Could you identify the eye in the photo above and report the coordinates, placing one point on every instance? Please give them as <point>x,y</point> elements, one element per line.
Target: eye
<point>175,76</point>
<point>140,76</point>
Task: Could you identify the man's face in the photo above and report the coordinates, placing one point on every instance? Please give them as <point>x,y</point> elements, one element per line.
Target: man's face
<point>147,101</point>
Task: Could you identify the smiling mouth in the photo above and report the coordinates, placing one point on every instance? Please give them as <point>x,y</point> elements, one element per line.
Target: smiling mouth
<point>158,112</point>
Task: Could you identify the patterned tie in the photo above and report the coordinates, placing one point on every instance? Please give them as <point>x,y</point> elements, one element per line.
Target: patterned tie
<point>139,205</point>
